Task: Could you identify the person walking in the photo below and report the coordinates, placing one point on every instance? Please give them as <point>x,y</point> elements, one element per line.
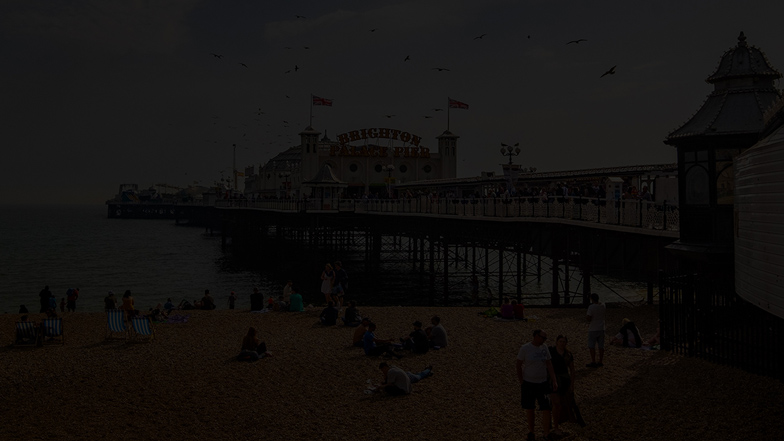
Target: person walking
<point>596,313</point>
<point>72,295</point>
<point>534,367</point>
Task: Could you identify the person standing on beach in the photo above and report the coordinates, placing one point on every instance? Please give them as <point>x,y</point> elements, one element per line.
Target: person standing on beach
<point>109,302</point>
<point>232,299</point>
<point>327,281</point>
<point>287,291</point>
<point>256,300</point>
<point>534,367</point>
<point>73,294</point>
<point>44,295</point>
<point>596,314</point>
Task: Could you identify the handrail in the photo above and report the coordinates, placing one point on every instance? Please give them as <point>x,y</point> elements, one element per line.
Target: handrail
<point>625,212</point>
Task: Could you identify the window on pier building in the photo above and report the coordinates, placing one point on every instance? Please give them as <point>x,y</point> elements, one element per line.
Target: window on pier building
<point>696,167</point>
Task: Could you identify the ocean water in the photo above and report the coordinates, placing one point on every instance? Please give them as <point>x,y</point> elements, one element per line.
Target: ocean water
<point>78,247</point>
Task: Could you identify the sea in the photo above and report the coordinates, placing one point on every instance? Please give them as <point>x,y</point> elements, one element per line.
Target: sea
<point>80,247</point>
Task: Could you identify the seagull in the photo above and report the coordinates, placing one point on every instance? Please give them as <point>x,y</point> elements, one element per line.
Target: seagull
<point>610,72</point>
<point>428,116</point>
<point>407,58</point>
<point>216,55</point>
<point>374,30</point>
<point>479,37</point>
<point>296,68</point>
<point>288,71</point>
<point>306,47</point>
<point>438,110</point>
<point>577,41</point>
<point>529,37</point>
<point>389,116</point>
<point>300,16</point>
<point>285,122</point>
<point>440,69</point>
<point>244,65</point>
<point>286,47</point>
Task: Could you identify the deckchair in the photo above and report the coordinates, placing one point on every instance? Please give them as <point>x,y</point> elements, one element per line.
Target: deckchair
<point>26,334</point>
<point>116,321</point>
<point>142,328</point>
<point>52,328</point>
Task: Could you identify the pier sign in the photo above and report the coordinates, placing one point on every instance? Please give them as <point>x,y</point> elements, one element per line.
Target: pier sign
<point>343,149</point>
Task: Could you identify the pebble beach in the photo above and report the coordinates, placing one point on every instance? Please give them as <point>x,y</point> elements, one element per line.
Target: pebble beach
<point>187,384</point>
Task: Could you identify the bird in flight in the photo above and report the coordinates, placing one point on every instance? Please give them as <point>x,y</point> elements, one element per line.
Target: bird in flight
<point>300,16</point>
<point>440,69</point>
<point>306,47</point>
<point>479,37</point>
<point>288,71</point>
<point>407,58</point>
<point>244,65</point>
<point>216,55</point>
<point>610,72</point>
<point>285,122</point>
<point>286,47</point>
<point>374,30</point>
<point>438,110</point>
<point>577,41</point>
<point>389,116</point>
<point>296,68</point>
<point>428,116</point>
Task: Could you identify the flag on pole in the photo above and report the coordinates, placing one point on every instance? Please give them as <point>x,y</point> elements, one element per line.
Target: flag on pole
<point>454,104</point>
<point>318,101</point>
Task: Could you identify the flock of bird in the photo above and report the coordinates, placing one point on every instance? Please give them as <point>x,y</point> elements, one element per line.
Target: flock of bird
<point>407,58</point>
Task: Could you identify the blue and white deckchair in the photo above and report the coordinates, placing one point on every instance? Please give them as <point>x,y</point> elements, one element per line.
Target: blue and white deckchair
<point>142,328</point>
<point>53,327</point>
<point>26,334</point>
<point>116,318</point>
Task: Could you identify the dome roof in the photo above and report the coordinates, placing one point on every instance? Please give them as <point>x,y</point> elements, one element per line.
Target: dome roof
<point>743,61</point>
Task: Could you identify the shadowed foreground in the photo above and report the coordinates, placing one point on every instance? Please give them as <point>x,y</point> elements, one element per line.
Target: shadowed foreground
<point>187,385</point>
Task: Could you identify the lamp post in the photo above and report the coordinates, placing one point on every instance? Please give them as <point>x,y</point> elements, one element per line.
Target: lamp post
<point>509,150</point>
<point>285,176</point>
<point>389,169</point>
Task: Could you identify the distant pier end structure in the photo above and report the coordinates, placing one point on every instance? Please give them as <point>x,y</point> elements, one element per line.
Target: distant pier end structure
<point>368,160</point>
<point>729,122</point>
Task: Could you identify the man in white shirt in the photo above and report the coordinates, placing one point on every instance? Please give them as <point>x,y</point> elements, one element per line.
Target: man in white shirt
<point>596,314</point>
<point>533,370</point>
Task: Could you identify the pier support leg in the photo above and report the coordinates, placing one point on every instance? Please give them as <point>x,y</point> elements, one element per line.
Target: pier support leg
<point>554,296</point>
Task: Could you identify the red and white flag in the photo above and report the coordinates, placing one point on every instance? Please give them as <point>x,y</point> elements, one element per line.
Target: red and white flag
<point>318,101</point>
<point>455,104</point>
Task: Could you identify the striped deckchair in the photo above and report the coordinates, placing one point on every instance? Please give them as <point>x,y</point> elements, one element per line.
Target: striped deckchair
<point>142,328</point>
<point>53,328</point>
<point>26,334</point>
<point>116,321</point>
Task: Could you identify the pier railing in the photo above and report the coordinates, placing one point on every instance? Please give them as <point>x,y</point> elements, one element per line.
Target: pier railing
<point>629,213</point>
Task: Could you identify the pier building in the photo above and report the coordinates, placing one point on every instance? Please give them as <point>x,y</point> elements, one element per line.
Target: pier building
<point>369,161</point>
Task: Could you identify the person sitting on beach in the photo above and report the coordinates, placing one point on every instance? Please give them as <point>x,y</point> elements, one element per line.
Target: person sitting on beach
<point>256,300</point>
<point>628,336</point>
<point>207,302</point>
<point>23,338</point>
<point>252,347</point>
<point>197,304</point>
<point>507,310</point>
<point>416,341</point>
<point>296,304</point>
<point>109,302</point>
<point>397,381</point>
<point>519,310</point>
<point>359,333</point>
<point>352,317</point>
<point>374,346</point>
<point>437,333</point>
<point>329,316</point>
<point>157,314</point>
<point>655,340</point>
<point>270,303</point>
<point>168,306</point>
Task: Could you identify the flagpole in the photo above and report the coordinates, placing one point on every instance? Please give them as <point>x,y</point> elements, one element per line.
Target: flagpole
<point>447,114</point>
<point>310,120</point>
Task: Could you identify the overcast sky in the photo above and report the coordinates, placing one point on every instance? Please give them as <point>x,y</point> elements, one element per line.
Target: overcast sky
<point>99,92</point>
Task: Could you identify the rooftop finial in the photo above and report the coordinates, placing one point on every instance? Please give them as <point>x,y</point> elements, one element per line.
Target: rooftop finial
<point>741,39</point>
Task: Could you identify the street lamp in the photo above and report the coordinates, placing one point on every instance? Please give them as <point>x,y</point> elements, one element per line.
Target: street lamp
<point>389,169</point>
<point>285,176</point>
<point>509,150</point>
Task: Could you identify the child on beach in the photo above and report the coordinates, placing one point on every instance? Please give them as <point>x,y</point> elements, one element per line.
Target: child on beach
<point>252,347</point>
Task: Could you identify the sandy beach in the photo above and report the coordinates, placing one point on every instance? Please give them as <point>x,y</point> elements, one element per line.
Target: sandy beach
<point>186,383</point>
